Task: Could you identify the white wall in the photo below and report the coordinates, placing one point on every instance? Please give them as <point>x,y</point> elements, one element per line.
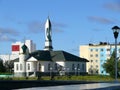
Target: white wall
<point>69,65</point>
<point>44,66</point>
<point>33,66</point>
<point>21,67</point>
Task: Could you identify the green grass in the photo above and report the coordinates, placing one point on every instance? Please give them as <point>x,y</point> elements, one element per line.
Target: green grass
<point>85,78</point>
<point>5,73</point>
<point>79,78</point>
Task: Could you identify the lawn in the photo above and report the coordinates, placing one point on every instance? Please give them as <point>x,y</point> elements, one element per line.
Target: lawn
<point>79,78</point>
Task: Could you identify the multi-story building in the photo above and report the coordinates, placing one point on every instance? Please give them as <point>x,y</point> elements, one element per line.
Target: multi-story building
<point>97,54</point>
<point>16,48</point>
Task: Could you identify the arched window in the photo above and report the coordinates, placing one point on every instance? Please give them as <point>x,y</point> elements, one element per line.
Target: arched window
<point>28,66</point>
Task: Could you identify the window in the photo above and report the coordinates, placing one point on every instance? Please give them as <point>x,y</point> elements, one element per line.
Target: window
<point>96,66</point>
<point>91,50</point>
<point>96,50</point>
<point>55,66</point>
<point>96,55</point>
<point>91,55</point>
<point>20,66</point>
<point>97,71</point>
<point>102,49</point>
<point>17,67</point>
<point>49,66</point>
<point>91,61</point>
<point>28,66</point>
<point>102,71</point>
<point>73,66</point>
<point>96,61</point>
<point>39,67</point>
<point>83,67</point>
<point>78,66</point>
<point>108,49</point>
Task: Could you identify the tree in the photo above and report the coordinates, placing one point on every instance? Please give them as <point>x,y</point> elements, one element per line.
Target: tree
<point>109,66</point>
<point>2,68</point>
<point>9,64</point>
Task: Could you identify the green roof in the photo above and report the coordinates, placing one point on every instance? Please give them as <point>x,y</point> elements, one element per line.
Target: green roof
<point>42,55</point>
<point>24,48</point>
<point>56,56</point>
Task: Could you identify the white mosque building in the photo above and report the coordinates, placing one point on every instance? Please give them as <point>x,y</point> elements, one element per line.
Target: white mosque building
<point>43,62</point>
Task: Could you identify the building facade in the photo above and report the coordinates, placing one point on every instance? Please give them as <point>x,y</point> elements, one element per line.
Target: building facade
<point>97,54</point>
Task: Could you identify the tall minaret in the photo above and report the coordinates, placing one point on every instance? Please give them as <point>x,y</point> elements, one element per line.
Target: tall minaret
<point>48,31</point>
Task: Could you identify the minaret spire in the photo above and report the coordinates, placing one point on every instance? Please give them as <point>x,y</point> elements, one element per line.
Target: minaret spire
<point>48,35</point>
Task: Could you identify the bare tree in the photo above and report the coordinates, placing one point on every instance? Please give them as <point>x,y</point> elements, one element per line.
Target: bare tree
<point>9,64</point>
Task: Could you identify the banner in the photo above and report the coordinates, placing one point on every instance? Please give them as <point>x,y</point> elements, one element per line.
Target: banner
<point>15,48</point>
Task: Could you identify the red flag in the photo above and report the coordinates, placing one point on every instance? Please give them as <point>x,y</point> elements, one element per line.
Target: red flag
<point>15,47</point>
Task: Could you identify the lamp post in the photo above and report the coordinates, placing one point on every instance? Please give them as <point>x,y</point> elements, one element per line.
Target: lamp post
<point>51,72</point>
<point>116,32</point>
<point>64,71</point>
<point>68,71</point>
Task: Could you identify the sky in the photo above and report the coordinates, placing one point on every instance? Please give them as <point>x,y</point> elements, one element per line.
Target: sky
<point>74,22</point>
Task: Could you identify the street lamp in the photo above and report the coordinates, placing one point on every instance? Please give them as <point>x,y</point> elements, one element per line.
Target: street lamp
<point>116,32</point>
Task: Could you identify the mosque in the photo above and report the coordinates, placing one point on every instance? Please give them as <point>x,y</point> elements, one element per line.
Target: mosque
<point>43,62</point>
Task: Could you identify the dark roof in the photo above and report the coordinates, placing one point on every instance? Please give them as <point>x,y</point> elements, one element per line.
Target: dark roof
<point>56,56</point>
<point>41,55</point>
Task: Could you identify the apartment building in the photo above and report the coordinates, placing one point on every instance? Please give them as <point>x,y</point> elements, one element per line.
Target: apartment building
<point>16,48</point>
<point>97,54</point>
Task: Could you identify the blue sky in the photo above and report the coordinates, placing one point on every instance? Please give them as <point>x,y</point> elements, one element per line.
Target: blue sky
<point>74,22</point>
